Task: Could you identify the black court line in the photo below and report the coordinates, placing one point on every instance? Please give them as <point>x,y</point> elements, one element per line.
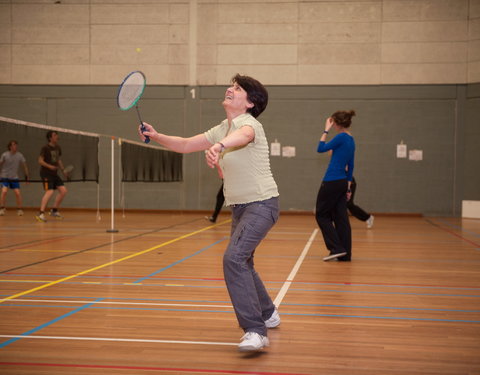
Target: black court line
<point>98,246</point>
<point>64,179</point>
<point>36,241</point>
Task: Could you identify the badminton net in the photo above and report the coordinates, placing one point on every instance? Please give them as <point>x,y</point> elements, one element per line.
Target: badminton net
<point>79,149</point>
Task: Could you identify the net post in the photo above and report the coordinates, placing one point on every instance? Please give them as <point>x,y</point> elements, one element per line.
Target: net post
<point>99,217</point>
<point>112,203</point>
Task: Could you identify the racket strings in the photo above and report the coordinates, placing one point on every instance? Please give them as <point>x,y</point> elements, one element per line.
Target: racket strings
<point>131,90</point>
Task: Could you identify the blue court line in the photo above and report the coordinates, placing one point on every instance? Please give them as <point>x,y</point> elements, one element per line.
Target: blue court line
<point>379,307</point>
<point>282,313</point>
<point>346,284</point>
<point>228,304</point>
<point>385,285</point>
<point>294,289</point>
<point>178,261</point>
<point>387,317</point>
<point>388,293</point>
<point>38,328</point>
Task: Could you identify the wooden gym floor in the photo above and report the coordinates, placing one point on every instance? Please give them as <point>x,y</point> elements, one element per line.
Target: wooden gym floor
<point>151,299</point>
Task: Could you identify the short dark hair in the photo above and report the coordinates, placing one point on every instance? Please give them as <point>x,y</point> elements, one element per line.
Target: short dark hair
<point>9,146</point>
<point>256,93</point>
<point>343,118</point>
<point>50,133</point>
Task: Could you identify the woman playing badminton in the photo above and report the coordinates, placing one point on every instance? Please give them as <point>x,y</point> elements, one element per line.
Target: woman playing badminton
<point>331,207</point>
<point>239,146</point>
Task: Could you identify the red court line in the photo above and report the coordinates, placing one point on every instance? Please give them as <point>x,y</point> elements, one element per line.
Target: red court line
<point>455,234</point>
<point>147,368</point>
<point>118,276</point>
<point>386,284</point>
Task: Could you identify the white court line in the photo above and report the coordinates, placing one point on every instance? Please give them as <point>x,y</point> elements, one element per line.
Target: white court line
<point>277,302</point>
<point>288,282</point>
<point>122,303</point>
<point>121,340</point>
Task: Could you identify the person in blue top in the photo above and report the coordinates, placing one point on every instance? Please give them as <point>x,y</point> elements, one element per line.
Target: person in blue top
<point>331,208</point>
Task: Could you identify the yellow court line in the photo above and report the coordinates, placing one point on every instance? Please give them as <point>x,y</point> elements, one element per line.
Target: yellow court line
<point>112,262</point>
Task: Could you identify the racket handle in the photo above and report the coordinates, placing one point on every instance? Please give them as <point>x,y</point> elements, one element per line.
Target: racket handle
<point>147,139</point>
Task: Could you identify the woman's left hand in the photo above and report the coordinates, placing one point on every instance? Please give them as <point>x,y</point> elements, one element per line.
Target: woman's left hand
<point>328,124</point>
<point>349,194</point>
<point>213,154</point>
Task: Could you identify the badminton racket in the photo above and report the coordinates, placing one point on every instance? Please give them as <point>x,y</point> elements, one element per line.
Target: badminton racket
<point>130,92</point>
<point>67,170</point>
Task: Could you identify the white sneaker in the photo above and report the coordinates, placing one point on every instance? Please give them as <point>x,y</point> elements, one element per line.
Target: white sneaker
<point>370,221</point>
<point>274,320</point>
<point>41,217</point>
<point>252,341</point>
<point>2,211</point>
<point>20,212</point>
<point>334,256</point>
<point>56,214</point>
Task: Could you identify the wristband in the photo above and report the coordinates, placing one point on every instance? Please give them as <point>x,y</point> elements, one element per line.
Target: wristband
<point>223,146</point>
<point>325,132</point>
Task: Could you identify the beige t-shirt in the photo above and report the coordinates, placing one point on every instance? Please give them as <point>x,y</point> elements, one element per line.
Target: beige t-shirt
<point>246,170</point>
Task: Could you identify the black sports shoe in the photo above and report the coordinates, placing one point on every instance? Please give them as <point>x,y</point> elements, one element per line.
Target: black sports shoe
<point>334,256</point>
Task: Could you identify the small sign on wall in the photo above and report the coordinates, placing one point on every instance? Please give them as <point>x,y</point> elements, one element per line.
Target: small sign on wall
<point>401,151</point>
<point>275,148</point>
<point>415,155</point>
<point>288,151</point>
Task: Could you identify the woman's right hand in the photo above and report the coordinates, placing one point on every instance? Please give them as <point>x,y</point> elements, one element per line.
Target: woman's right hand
<point>148,131</point>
